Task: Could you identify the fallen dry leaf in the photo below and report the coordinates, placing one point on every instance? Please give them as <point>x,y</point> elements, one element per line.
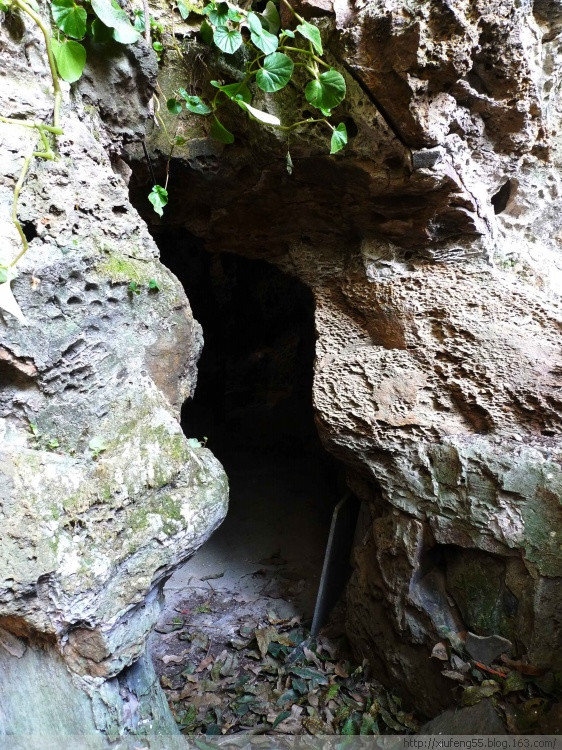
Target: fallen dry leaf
<point>205,663</point>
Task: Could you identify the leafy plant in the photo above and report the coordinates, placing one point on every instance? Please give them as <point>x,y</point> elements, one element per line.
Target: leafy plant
<point>102,20</point>
<point>270,58</point>
<point>133,288</point>
<point>97,445</point>
<point>271,61</point>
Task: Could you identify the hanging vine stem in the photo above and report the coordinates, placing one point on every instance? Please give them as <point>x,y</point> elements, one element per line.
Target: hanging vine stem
<point>42,129</point>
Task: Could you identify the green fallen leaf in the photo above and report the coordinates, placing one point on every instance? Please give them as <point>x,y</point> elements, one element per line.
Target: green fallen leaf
<point>281,717</point>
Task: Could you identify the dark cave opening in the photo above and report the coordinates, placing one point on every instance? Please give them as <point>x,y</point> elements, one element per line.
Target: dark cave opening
<point>253,407</point>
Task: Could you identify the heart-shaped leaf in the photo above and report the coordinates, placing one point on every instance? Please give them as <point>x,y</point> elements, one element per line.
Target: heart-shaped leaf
<point>194,103</point>
<point>159,198</point>
<point>217,14</point>
<point>69,17</point>
<point>276,72</point>
<point>173,106</point>
<point>71,58</point>
<point>310,32</point>
<point>339,138</point>
<point>227,40</point>
<point>262,39</point>
<point>327,91</point>
<point>257,114</point>
<point>115,17</point>
<point>220,133</point>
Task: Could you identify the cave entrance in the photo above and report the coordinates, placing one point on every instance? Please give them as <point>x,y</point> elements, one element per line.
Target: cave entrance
<point>253,406</point>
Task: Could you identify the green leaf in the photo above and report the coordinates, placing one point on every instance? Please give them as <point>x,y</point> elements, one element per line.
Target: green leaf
<point>310,32</point>
<point>257,114</point>
<point>174,107</point>
<point>133,288</point>
<point>115,17</point>
<point>71,58</point>
<point>233,15</point>
<point>271,15</point>
<point>282,716</point>
<point>183,9</point>
<point>194,103</point>
<point>349,727</point>
<point>206,32</point>
<point>235,91</point>
<point>262,39</point>
<point>220,133</point>
<point>4,274</point>
<point>227,40</point>
<point>138,21</point>
<point>339,138</point>
<point>97,445</point>
<point>327,91</point>
<point>159,198</point>
<point>69,17</point>
<point>100,32</point>
<point>5,6</point>
<point>153,285</point>
<point>218,14</point>
<point>254,23</point>
<point>276,72</point>
<point>289,33</point>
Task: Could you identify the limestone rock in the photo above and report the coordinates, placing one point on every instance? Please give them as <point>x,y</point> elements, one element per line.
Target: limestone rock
<point>432,245</point>
<point>480,719</point>
<point>101,495</point>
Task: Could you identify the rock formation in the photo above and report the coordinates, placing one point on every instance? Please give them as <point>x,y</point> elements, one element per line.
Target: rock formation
<point>432,246</point>
<point>101,495</point>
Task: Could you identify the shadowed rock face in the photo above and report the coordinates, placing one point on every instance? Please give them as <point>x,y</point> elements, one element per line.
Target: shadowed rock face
<point>432,245</point>
<point>101,496</point>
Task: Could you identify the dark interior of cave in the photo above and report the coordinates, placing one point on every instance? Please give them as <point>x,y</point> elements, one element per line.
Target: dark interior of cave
<point>253,406</point>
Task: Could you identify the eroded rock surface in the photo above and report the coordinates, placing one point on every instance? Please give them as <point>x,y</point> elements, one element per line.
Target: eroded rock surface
<point>432,245</point>
<point>101,495</point>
